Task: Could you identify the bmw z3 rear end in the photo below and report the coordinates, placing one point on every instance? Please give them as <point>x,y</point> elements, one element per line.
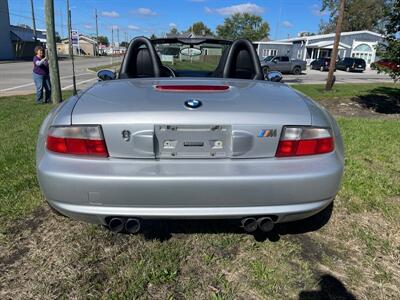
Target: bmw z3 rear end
<point>162,142</point>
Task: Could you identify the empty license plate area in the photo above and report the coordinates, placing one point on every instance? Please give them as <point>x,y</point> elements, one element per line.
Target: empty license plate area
<point>193,141</point>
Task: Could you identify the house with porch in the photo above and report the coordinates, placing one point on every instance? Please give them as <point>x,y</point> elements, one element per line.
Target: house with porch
<point>360,44</point>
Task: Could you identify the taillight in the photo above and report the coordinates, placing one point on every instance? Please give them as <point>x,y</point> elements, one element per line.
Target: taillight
<point>299,141</point>
<point>77,140</point>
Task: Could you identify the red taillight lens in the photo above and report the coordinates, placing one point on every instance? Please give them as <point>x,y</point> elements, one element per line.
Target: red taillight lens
<point>77,140</point>
<point>299,141</point>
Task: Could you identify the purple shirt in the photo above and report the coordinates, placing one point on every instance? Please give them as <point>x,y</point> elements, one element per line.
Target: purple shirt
<point>40,66</point>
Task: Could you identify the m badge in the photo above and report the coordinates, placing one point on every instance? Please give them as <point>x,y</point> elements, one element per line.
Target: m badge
<point>267,133</point>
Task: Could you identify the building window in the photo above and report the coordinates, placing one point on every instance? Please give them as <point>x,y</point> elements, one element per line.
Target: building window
<point>363,51</point>
<point>299,52</point>
<point>268,52</point>
<point>264,52</point>
<point>362,48</point>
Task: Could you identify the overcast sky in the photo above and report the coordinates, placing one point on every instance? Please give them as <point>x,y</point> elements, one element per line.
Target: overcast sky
<point>135,17</point>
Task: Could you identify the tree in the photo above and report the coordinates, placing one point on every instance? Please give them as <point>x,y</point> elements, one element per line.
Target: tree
<point>173,30</point>
<point>360,15</point>
<point>58,38</point>
<point>392,49</point>
<point>331,79</point>
<point>124,44</point>
<point>153,36</point>
<point>103,40</point>
<point>243,25</point>
<point>199,28</point>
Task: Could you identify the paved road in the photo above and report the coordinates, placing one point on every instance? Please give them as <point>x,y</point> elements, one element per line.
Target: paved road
<point>316,76</point>
<point>16,77</point>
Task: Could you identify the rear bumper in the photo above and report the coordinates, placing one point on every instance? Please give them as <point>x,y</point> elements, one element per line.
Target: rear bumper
<point>98,214</point>
<point>92,189</point>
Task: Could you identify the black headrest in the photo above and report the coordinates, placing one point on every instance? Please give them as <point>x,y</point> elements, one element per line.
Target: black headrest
<point>242,62</point>
<point>141,60</point>
<point>219,70</point>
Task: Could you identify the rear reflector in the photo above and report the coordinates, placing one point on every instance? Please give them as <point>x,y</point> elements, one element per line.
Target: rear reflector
<point>77,140</point>
<point>191,88</point>
<point>299,141</point>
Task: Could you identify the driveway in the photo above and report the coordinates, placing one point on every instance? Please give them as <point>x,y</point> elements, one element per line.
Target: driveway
<point>16,77</point>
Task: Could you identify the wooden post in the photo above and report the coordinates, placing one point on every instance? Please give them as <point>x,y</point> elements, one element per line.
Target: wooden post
<point>52,52</point>
<point>332,65</point>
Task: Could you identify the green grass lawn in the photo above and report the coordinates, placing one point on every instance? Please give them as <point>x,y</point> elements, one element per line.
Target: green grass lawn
<point>113,67</point>
<point>64,258</point>
<point>317,91</point>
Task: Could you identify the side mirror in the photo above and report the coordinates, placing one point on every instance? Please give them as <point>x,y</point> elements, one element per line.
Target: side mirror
<point>106,75</point>
<point>275,60</point>
<point>274,76</point>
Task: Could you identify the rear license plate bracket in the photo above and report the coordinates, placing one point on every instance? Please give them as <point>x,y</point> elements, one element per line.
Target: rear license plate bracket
<point>193,141</point>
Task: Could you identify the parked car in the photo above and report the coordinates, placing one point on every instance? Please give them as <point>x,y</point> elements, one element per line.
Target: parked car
<point>385,63</point>
<point>158,141</point>
<point>321,64</point>
<point>351,64</point>
<point>283,64</point>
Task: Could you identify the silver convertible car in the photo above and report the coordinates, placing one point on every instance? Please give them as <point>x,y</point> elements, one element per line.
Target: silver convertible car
<point>189,129</point>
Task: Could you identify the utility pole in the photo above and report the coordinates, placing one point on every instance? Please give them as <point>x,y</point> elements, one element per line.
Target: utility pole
<point>62,23</point>
<point>52,52</point>
<point>118,35</point>
<point>33,23</point>
<point>112,37</point>
<point>97,34</point>
<point>112,44</point>
<point>332,65</point>
<point>69,31</point>
<point>71,52</point>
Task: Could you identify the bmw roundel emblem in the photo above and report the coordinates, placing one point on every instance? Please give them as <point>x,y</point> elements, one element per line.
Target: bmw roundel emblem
<point>193,103</point>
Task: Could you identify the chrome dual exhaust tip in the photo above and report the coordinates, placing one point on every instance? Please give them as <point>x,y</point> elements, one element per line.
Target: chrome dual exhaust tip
<point>250,224</point>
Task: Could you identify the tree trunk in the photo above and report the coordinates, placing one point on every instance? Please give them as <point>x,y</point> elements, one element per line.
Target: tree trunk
<point>332,65</point>
<point>52,52</point>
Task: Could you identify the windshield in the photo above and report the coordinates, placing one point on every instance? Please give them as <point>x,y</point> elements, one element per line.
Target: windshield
<point>182,57</point>
<point>268,58</point>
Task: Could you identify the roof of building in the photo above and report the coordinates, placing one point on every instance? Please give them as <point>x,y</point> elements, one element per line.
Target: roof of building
<point>273,43</point>
<point>327,45</point>
<point>319,36</point>
<point>25,34</point>
<point>81,37</point>
<point>187,35</point>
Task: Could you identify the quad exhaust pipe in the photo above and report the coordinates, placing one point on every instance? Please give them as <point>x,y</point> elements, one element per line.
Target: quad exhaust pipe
<point>250,224</point>
<point>130,225</point>
<point>116,225</point>
<point>265,224</point>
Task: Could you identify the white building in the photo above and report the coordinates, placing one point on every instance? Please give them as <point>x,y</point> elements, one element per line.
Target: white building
<point>361,44</point>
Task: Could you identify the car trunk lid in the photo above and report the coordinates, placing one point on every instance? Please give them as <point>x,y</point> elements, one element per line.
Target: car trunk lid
<point>236,118</point>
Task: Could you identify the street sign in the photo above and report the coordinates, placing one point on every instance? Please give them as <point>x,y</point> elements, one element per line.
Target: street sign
<point>74,38</point>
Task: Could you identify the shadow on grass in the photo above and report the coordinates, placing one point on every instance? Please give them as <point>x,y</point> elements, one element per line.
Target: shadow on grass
<point>330,288</point>
<point>384,100</point>
<point>163,230</point>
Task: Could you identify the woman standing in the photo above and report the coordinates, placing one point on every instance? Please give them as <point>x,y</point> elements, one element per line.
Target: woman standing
<point>41,75</point>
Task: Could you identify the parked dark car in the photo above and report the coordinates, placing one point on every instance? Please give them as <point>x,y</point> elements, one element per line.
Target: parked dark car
<point>321,64</point>
<point>385,64</point>
<point>351,64</point>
